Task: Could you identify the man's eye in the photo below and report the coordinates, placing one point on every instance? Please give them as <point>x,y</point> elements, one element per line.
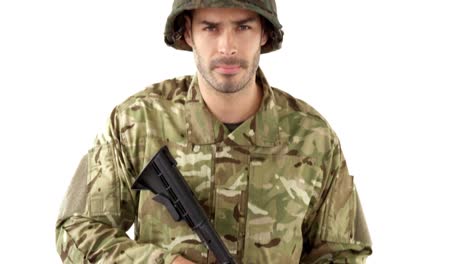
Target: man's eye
<point>244,27</point>
<point>209,28</point>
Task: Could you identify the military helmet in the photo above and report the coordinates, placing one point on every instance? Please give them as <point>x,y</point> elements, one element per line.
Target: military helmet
<point>175,25</point>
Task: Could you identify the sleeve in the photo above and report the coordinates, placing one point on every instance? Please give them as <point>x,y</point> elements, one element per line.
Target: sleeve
<point>100,207</point>
<point>336,231</point>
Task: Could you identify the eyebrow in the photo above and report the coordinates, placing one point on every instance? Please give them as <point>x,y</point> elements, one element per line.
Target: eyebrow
<point>245,21</point>
<point>208,23</point>
<point>237,22</point>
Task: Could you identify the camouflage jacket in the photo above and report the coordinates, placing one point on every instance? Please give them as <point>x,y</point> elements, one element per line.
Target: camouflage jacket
<point>276,189</point>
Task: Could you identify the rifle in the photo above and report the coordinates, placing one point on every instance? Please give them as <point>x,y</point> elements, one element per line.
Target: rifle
<point>162,177</point>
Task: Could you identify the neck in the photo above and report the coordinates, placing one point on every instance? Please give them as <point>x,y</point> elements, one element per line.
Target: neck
<point>231,107</point>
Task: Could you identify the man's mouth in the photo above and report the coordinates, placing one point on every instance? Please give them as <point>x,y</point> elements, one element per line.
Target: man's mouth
<point>228,69</point>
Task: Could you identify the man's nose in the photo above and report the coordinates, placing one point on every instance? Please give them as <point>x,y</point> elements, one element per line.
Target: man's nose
<point>227,43</point>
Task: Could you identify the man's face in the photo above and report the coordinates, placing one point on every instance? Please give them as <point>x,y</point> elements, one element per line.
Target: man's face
<point>226,44</point>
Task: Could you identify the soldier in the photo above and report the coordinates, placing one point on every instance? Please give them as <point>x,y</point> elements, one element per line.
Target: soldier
<point>266,167</point>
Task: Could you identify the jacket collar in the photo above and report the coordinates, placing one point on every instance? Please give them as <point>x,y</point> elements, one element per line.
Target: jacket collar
<point>259,130</point>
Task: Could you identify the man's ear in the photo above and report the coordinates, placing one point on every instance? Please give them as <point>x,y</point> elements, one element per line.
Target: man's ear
<point>188,31</point>
<point>264,38</point>
<point>265,31</point>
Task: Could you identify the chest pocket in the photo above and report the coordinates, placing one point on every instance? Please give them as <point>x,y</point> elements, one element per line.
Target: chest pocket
<point>279,193</point>
<point>230,178</point>
<point>196,167</point>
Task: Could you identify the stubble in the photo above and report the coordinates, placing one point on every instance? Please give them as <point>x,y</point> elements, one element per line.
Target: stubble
<point>226,83</point>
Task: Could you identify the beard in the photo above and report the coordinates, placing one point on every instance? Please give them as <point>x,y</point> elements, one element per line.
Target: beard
<point>227,83</point>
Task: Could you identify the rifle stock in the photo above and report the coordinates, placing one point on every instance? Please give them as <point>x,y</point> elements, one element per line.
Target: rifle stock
<point>162,177</point>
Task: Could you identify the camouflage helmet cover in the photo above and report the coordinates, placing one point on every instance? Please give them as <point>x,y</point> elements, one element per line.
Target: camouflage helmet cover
<point>174,32</point>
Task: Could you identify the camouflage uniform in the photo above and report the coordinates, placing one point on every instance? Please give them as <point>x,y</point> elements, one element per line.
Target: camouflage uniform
<point>277,188</point>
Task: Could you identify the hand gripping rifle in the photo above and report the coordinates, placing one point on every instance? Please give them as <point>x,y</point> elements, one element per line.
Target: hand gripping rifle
<point>162,177</point>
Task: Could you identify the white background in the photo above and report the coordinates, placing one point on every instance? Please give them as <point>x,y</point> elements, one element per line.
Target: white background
<point>390,76</point>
